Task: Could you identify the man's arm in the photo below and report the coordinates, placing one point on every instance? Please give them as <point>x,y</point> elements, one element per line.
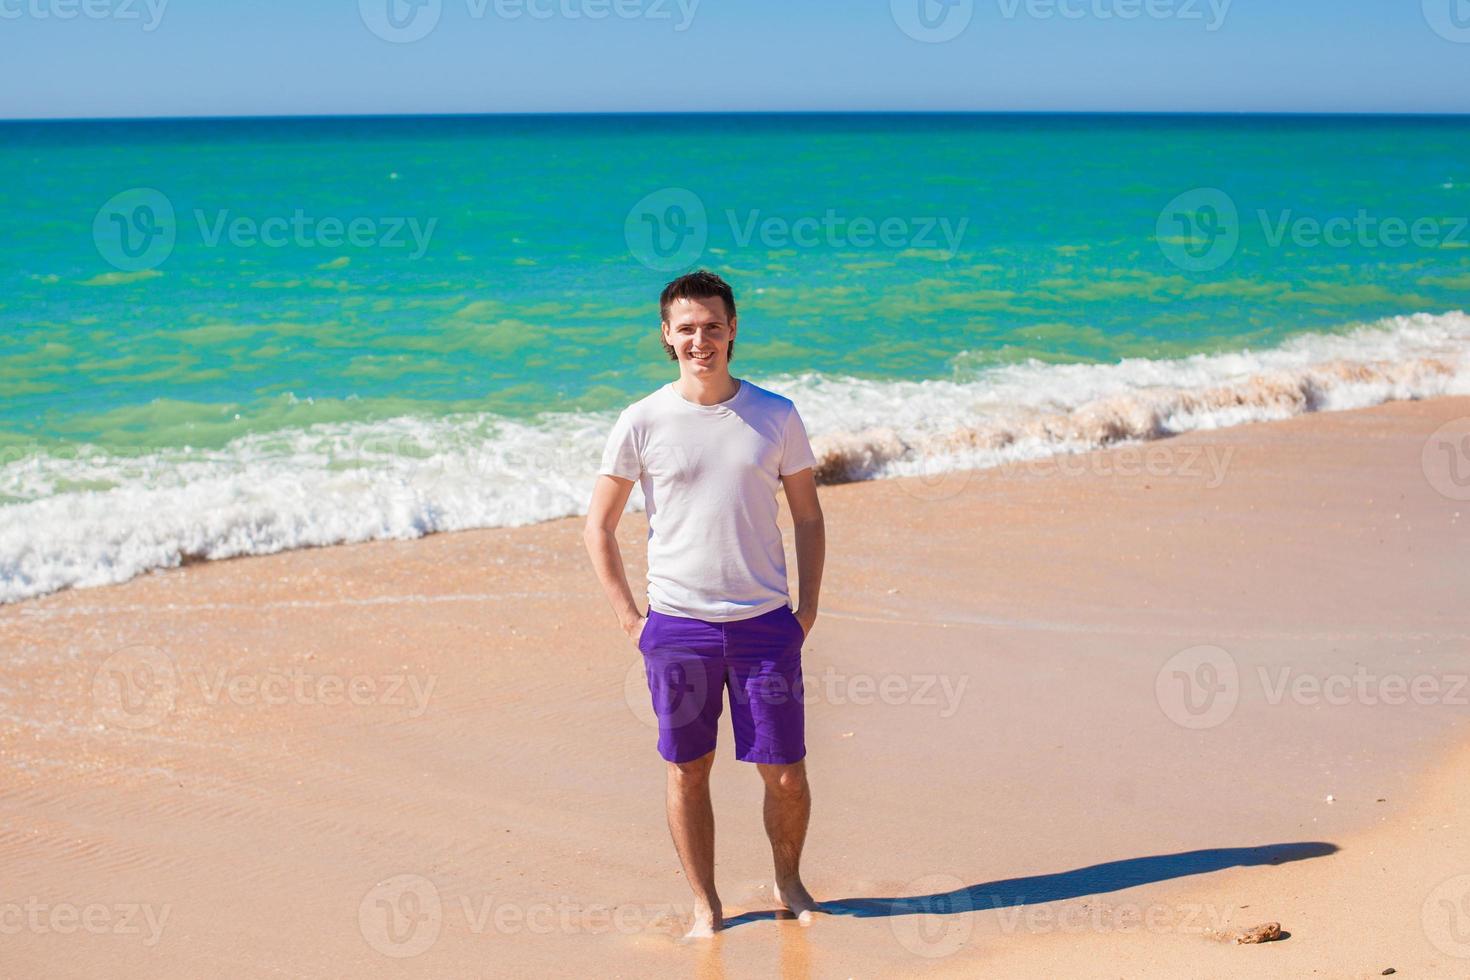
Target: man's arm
<point>609,497</point>
<point>811,541</point>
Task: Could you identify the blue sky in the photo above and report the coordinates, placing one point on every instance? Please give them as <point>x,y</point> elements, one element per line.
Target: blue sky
<point>90,58</point>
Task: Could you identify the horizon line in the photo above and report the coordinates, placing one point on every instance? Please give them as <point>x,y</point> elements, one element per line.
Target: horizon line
<point>622,113</point>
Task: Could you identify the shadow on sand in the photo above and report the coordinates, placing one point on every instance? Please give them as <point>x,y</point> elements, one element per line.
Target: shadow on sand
<point>1077,883</point>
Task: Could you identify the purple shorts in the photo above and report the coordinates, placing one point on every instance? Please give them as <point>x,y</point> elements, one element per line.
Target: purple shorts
<point>691,662</point>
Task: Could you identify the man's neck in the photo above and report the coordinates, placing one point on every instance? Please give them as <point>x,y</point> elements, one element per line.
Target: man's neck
<point>707,391</point>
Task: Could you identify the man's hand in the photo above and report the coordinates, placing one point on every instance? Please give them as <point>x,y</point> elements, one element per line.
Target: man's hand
<point>635,630</point>
<point>806,619</point>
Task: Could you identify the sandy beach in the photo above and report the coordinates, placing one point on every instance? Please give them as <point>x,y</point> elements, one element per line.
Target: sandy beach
<point>1064,719</point>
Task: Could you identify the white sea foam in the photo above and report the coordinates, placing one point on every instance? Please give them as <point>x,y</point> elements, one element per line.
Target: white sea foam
<point>92,518</point>
<point>998,414</point>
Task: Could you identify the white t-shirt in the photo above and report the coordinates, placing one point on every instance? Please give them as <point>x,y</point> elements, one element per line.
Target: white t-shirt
<point>709,475</point>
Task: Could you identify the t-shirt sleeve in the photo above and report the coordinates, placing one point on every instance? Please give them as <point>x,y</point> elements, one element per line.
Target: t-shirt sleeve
<point>620,456</point>
<point>796,449</point>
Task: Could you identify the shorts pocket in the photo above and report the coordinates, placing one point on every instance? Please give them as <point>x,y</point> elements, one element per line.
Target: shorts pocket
<point>796,624</point>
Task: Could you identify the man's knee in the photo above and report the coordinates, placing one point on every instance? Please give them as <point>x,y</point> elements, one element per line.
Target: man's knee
<point>787,781</point>
<point>694,772</point>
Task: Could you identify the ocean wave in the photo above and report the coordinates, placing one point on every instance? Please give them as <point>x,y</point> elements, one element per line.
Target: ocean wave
<point>995,415</point>
<point>88,516</point>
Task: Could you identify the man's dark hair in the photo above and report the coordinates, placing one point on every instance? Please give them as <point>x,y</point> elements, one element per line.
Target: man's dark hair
<point>700,284</point>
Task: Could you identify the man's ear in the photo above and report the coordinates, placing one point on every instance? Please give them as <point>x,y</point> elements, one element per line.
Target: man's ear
<point>734,321</point>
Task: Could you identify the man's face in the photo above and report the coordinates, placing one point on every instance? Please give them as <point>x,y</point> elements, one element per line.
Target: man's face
<point>700,332</point>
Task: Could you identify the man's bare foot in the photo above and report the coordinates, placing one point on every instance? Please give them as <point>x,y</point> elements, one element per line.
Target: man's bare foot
<point>798,900</point>
<point>707,921</point>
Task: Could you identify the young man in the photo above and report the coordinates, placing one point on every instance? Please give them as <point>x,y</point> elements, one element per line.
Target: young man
<point>708,451</point>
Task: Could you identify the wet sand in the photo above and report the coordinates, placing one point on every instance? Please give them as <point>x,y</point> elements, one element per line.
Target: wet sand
<point>1041,701</point>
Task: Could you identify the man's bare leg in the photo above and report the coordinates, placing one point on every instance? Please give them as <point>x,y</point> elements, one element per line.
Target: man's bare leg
<point>692,824</point>
<point>788,807</point>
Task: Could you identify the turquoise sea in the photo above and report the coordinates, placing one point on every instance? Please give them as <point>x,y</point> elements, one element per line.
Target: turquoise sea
<point>233,337</point>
